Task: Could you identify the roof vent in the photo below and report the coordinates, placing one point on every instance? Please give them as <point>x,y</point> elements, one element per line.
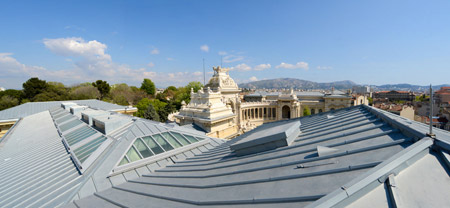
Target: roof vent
<point>322,151</point>
<point>263,139</point>
<point>67,105</point>
<point>108,123</point>
<point>88,114</point>
<point>76,110</point>
<point>330,116</point>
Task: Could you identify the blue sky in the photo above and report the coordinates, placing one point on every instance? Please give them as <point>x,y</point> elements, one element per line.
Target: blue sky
<point>368,42</point>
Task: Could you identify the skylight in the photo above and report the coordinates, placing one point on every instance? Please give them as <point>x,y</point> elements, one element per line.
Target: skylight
<point>148,146</point>
<point>80,139</point>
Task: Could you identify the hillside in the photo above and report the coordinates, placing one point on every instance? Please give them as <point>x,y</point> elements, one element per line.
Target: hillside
<point>296,84</point>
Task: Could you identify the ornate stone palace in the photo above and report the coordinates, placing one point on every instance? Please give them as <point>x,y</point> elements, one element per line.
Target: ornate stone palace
<point>219,110</point>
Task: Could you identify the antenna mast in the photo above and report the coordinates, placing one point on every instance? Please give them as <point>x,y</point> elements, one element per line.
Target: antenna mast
<point>431,114</point>
<point>204,73</point>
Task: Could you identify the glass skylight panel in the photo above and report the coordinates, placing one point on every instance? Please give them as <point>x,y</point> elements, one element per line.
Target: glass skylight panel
<point>60,115</point>
<point>172,140</point>
<point>56,110</point>
<point>133,155</point>
<point>152,144</point>
<point>65,118</point>
<point>181,138</point>
<point>70,125</point>
<point>142,148</point>
<point>79,135</point>
<point>83,152</point>
<point>124,161</point>
<point>156,144</point>
<point>191,138</point>
<point>162,142</point>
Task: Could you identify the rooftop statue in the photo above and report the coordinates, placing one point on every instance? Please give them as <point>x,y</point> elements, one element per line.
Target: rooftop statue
<point>219,69</point>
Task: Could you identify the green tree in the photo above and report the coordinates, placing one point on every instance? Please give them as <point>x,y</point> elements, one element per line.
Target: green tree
<point>103,87</point>
<point>8,102</point>
<point>150,113</point>
<point>149,87</point>
<point>121,94</point>
<point>370,99</point>
<point>166,110</point>
<point>18,94</point>
<point>84,92</point>
<point>194,85</point>
<point>33,87</point>
<point>306,111</point>
<point>173,88</point>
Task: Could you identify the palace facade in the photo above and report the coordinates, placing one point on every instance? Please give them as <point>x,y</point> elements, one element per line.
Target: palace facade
<point>219,110</point>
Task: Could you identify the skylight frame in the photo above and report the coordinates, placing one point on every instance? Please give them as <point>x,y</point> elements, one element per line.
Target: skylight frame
<point>156,157</point>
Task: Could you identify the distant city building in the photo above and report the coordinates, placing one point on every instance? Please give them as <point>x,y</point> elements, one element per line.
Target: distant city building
<point>424,109</point>
<point>443,95</point>
<point>394,95</point>
<point>405,111</point>
<point>219,111</point>
<point>361,90</point>
<point>361,100</point>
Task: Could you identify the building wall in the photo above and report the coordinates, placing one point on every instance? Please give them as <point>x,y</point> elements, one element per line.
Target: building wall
<point>407,112</point>
<point>361,100</point>
<point>395,95</point>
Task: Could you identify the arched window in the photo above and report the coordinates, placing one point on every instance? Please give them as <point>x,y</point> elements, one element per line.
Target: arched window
<point>313,111</point>
<point>286,112</point>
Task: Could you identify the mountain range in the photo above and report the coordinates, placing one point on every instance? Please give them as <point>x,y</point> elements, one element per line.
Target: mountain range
<point>288,83</point>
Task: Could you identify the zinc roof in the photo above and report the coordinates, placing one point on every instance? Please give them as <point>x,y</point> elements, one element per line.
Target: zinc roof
<point>31,108</point>
<point>363,143</point>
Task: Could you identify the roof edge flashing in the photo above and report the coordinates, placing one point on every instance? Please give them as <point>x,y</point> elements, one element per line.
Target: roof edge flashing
<point>267,139</point>
<point>397,122</point>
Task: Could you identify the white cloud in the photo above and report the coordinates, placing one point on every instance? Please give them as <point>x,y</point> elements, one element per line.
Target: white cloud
<point>204,48</point>
<point>262,67</point>
<point>14,72</point>
<point>77,47</point>
<point>74,27</point>
<point>170,59</point>
<point>253,79</point>
<point>198,73</point>
<point>232,58</point>
<point>324,67</point>
<point>151,64</point>
<point>154,51</point>
<point>222,53</point>
<point>241,67</point>
<point>90,62</point>
<point>298,65</point>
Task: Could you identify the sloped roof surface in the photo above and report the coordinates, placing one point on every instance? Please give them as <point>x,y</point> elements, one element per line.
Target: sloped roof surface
<point>31,108</point>
<point>294,175</point>
<point>35,168</point>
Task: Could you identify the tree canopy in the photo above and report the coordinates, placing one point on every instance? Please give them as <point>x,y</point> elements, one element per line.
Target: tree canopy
<point>33,87</point>
<point>150,113</point>
<point>306,111</point>
<point>103,87</point>
<point>148,86</point>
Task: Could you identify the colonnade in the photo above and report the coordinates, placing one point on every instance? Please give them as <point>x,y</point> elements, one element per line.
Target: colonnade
<point>259,113</point>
